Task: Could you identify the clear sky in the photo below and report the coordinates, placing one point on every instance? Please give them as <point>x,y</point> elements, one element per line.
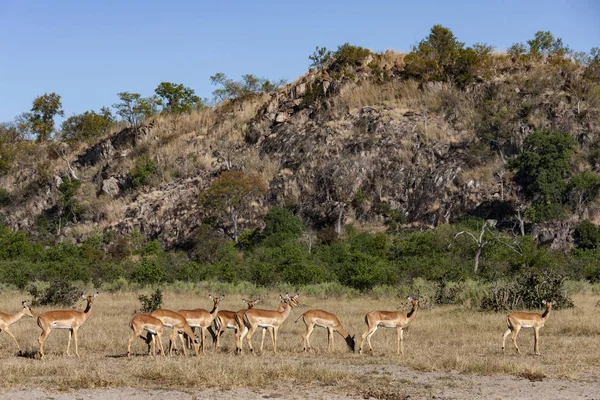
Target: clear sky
<point>88,51</point>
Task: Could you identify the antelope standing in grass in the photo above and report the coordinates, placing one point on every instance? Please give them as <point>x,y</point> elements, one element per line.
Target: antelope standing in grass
<point>518,320</point>
<point>7,320</point>
<point>203,319</point>
<point>388,319</point>
<point>146,323</point>
<point>178,323</point>
<point>226,320</point>
<point>328,321</point>
<point>64,319</point>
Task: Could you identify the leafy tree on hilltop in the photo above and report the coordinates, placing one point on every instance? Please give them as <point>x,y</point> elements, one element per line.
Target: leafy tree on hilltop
<point>41,117</point>
<point>88,126</point>
<point>135,109</point>
<point>177,99</point>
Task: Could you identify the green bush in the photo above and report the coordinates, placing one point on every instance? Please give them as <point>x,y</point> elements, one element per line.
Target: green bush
<point>151,303</point>
<point>61,291</point>
<point>149,271</point>
<point>348,54</point>
<point>586,235</point>
<point>144,169</point>
<point>5,199</point>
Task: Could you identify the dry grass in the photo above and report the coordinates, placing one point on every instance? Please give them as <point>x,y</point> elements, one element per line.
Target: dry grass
<point>440,339</point>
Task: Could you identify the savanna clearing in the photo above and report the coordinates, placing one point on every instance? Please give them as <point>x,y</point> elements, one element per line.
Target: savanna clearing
<point>450,352</point>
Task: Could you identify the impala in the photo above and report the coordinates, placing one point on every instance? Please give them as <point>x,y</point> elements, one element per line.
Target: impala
<point>146,323</point>
<point>201,318</point>
<point>7,320</point>
<point>178,323</point>
<point>325,320</point>
<point>388,319</point>
<point>226,320</point>
<point>255,318</point>
<point>518,320</point>
<point>64,319</point>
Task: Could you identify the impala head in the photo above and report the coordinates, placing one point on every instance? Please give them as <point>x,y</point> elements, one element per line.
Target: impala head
<point>548,304</point>
<point>293,300</point>
<point>27,309</point>
<point>350,342</point>
<point>90,298</point>
<point>414,301</point>
<point>251,303</point>
<point>216,300</point>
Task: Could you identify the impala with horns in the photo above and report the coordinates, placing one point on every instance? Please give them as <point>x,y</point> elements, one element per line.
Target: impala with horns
<point>152,326</point>
<point>64,319</point>
<point>518,320</point>
<point>178,323</point>
<point>203,319</point>
<point>256,318</point>
<point>7,320</point>
<point>328,321</point>
<point>239,319</point>
<point>388,319</point>
<point>226,320</point>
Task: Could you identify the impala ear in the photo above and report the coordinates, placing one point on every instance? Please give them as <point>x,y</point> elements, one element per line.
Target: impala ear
<point>96,294</point>
<point>245,301</point>
<point>222,297</point>
<point>410,298</point>
<point>256,301</point>
<point>83,297</point>
<point>210,296</point>
<point>543,301</point>
<point>25,304</point>
<point>281,297</point>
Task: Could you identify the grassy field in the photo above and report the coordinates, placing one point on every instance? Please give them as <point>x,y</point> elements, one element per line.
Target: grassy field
<point>441,339</point>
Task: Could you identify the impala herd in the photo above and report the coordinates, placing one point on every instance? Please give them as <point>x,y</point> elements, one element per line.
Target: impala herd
<point>150,327</point>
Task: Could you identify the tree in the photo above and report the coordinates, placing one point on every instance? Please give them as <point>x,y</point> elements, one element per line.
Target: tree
<point>543,167</point>
<point>249,86</point>
<point>582,189</point>
<point>586,235</point>
<point>321,58</point>
<point>230,196</point>
<point>177,99</point>
<point>42,114</point>
<point>544,44</point>
<point>135,109</point>
<point>88,126</point>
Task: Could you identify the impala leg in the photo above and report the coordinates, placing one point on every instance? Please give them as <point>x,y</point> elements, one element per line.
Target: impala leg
<point>203,330</point>
<point>69,342</point>
<point>367,335</point>
<point>12,336</point>
<point>249,338</point>
<point>400,341</point>
<point>274,337</point>
<point>262,340</point>
<point>508,331</point>
<point>183,343</point>
<point>331,339</point>
<point>131,339</point>
<point>41,341</point>
<point>158,338</point>
<point>309,331</point>
<point>514,337</point>
<point>75,330</point>
<point>172,338</point>
<point>536,347</point>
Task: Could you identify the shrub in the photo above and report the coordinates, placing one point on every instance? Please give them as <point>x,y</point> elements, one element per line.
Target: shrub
<point>586,235</point>
<point>4,197</point>
<point>282,221</point>
<point>144,169</point>
<point>528,290</point>
<point>60,292</point>
<point>149,271</point>
<point>347,54</point>
<point>151,303</point>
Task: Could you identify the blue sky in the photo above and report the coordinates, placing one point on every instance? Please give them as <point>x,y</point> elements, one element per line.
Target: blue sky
<point>88,51</point>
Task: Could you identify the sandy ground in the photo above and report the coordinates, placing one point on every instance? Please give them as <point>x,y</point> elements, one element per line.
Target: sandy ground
<point>403,383</point>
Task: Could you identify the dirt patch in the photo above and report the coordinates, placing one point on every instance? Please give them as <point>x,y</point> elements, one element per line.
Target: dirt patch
<point>389,382</point>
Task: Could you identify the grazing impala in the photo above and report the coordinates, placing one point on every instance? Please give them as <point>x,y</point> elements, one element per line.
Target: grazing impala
<point>388,319</point>
<point>226,320</point>
<point>255,318</point>
<point>325,320</point>
<point>178,323</point>
<point>518,320</point>
<point>7,320</point>
<point>64,319</point>
<point>201,318</point>
<point>146,323</point>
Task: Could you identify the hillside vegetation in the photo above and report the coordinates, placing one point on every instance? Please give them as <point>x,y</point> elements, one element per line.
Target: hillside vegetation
<point>448,163</point>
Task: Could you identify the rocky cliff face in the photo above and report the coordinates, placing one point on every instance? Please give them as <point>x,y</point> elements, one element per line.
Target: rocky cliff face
<point>347,148</point>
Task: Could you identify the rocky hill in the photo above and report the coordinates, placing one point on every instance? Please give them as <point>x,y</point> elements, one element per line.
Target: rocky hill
<point>366,142</point>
